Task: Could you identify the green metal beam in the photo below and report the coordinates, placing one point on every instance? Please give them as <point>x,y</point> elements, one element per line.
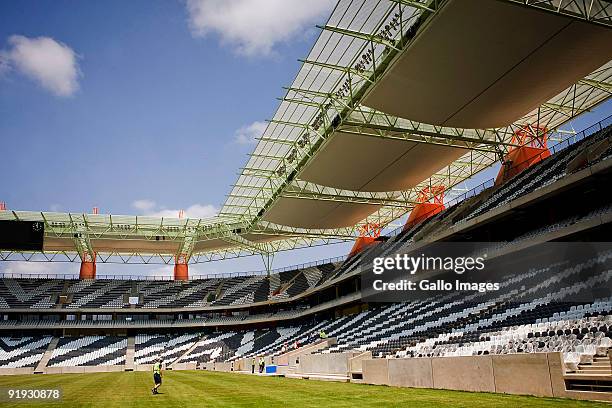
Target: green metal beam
<point>357,34</point>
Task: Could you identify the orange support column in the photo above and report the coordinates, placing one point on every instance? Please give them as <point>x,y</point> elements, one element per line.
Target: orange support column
<point>430,202</point>
<point>367,236</point>
<point>181,268</point>
<point>88,267</point>
<point>532,141</point>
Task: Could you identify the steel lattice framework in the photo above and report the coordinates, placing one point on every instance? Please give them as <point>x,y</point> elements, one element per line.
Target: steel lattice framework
<point>354,49</point>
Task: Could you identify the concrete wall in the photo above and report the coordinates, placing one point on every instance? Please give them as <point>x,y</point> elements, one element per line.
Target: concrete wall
<point>523,374</point>
<point>414,372</point>
<point>332,363</point>
<point>474,373</point>
<point>376,371</point>
<point>84,369</point>
<point>539,374</point>
<point>290,357</point>
<point>184,366</point>
<point>282,370</point>
<point>143,367</point>
<point>224,367</point>
<point>17,371</point>
<point>356,363</point>
<point>243,364</point>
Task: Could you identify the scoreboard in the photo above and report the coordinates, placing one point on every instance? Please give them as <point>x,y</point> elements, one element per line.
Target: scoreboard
<point>21,235</point>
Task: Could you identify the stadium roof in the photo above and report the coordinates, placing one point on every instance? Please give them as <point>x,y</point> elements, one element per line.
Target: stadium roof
<point>334,157</point>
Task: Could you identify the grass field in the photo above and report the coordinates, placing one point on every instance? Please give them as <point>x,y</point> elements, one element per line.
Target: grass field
<point>210,389</point>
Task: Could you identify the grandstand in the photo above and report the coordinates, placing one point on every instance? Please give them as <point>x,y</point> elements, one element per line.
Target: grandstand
<point>346,154</point>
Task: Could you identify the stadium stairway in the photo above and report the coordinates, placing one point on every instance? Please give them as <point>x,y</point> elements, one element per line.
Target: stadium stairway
<point>42,364</point>
<point>356,366</point>
<point>186,353</point>
<point>129,354</point>
<point>593,377</point>
<point>320,377</point>
<point>290,357</point>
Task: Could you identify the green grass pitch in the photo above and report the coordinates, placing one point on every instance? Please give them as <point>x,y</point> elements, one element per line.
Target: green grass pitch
<point>211,389</point>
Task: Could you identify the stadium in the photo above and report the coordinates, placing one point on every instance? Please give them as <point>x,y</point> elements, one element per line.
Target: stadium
<point>499,294</point>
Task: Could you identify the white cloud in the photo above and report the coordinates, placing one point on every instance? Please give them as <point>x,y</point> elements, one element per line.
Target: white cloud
<point>152,209</point>
<point>248,134</point>
<point>143,205</point>
<point>40,268</point>
<point>51,63</point>
<point>157,270</point>
<point>254,27</point>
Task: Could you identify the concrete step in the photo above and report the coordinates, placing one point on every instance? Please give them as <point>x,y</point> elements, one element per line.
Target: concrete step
<point>186,353</point>
<point>129,354</point>
<point>604,373</point>
<point>42,364</point>
<point>579,376</point>
<point>592,388</point>
<point>320,377</point>
<point>589,395</point>
<point>596,368</point>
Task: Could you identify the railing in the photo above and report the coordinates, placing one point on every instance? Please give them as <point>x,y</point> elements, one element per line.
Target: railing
<point>170,277</point>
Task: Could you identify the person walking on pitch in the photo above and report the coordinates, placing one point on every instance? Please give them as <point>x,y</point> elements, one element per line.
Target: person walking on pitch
<point>157,376</point>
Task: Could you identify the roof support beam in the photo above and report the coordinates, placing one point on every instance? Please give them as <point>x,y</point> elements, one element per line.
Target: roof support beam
<point>422,136</point>
<point>419,4</point>
<point>601,85</point>
<point>355,199</point>
<point>366,75</point>
<point>594,11</point>
<point>82,242</point>
<point>357,34</point>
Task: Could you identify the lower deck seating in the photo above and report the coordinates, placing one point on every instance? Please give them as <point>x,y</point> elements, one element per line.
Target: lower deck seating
<point>89,351</point>
<point>148,348</point>
<point>211,347</point>
<point>22,351</point>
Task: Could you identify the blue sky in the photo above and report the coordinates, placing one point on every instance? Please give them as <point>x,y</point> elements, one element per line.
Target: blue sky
<point>145,107</point>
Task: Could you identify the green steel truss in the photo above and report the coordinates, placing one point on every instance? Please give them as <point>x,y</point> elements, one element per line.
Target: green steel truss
<point>352,52</point>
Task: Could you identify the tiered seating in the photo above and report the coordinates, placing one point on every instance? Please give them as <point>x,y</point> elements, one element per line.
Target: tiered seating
<point>262,292</point>
<point>29,293</point>
<point>401,325</point>
<point>177,294</point>
<point>22,351</point>
<point>99,294</point>
<point>326,270</point>
<point>389,329</point>
<point>213,346</point>
<point>580,340</point>
<point>537,176</point>
<point>241,292</point>
<point>150,292</point>
<point>280,284</point>
<point>89,351</point>
<point>148,347</point>
<point>178,345</point>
